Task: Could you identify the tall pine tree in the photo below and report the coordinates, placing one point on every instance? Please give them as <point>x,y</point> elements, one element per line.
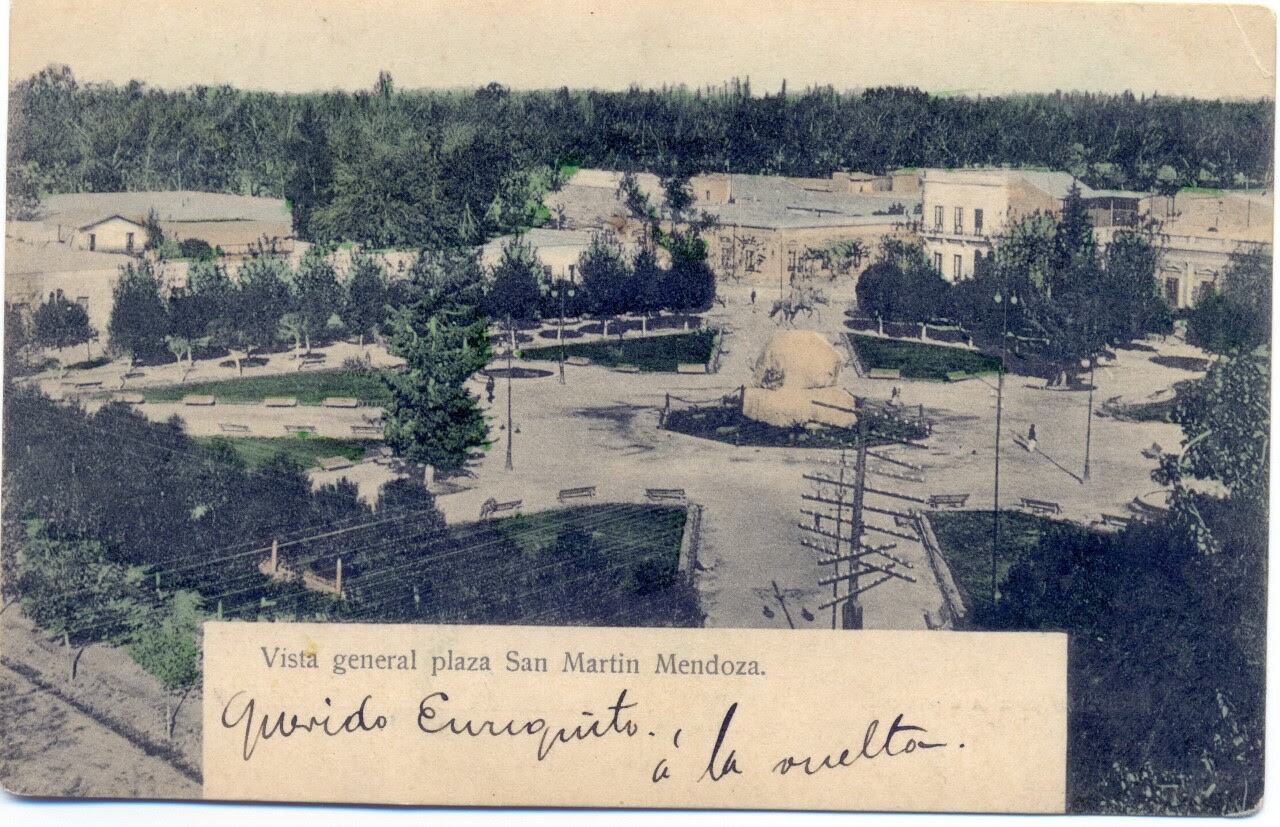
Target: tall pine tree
<point>443,337</point>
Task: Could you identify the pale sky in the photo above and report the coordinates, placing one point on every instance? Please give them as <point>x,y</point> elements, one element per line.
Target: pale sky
<point>1213,50</point>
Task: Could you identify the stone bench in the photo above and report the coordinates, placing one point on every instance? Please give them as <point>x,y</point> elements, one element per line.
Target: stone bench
<point>691,367</point>
<point>281,402</point>
<point>341,402</point>
<point>233,428</point>
<point>626,368</point>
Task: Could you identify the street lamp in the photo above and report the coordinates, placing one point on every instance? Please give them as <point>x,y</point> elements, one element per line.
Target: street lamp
<point>511,352</point>
<point>561,290</point>
<point>1088,430</point>
<point>1004,357</point>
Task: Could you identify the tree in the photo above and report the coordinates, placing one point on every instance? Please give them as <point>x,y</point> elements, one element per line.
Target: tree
<point>316,296</point>
<point>23,191</point>
<point>59,322</point>
<point>259,303</point>
<point>139,317</point>
<point>605,277</point>
<point>151,226</point>
<point>367,296</point>
<point>70,588</point>
<point>443,337</point>
<point>901,285</point>
<point>513,287</point>
<point>17,340</point>
<point>166,647</point>
<point>1236,318</point>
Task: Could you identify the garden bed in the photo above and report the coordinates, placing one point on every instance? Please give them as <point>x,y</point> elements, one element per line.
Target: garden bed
<point>310,388</point>
<point>725,423</point>
<point>651,354</point>
<point>916,360</point>
<point>307,451</point>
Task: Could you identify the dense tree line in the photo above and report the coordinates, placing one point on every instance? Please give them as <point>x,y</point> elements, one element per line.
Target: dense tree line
<point>394,167</point>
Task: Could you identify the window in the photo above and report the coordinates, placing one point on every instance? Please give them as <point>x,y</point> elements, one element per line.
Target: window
<point>937,218</point>
<point>1171,291</point>
<point>572,267</point>
<point>128,242</point>
<point>955,267</point>
<point>708,195</point>
<point>83,301</point>
<point>977,221</point>
<point>93,241</point>
<point>959,220</point>
<point>937,260</point>
<point>1203,291</point>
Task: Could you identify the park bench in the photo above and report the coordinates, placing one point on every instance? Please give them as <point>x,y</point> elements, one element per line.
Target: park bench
<point>627,368</point>
<point>577,361</point>
<point>334,463</point>
<point>281,402</point>
<point>341,402</point>
<point>665,494</point>
<point>1113,521</point>
<point>585,492</point>
<point>87,383</point>
<point>948,500</point>
<point>691,367</point>
<point>958,376</point>
<point>366,430</point>
<point>1043,507</point>
<point>233,428</point>
<point>491,506</point>
<point>131,398</point>
<point>884,373</point>
<point>198,399</point>
<point>300,429</point>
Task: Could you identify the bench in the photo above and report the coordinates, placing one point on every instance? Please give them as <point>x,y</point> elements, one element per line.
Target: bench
<point>491,507</point>
<point>958,375</point>
<point>665,494</point>
<point>577,361</point>
<point>87,383</point>
<point>884,373</point>
<point>334,463</point>
<point>341,402</point>
<point>1113,521</point>
<point>131,398</point>
<point>948,500</point>
<point>1040,506</point>
<point>233,428</point>
<point>280,402</point>
<point>366,430</point>
<point>585,492</point>
<point>300,429</point>
<point>626,368</point>
<point>197,399</point>
<point>691,367</point>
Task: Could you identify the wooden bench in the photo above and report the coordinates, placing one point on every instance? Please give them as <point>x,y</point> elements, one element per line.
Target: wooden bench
<point>281,402</point>
<point>665,494</point>
<point>366,430</point>
<point>1040,506</point>
<point>1113,521</point>
<point>948,500</point>
<point>691,367</point>
<point>341,402</point>
<point>624,368</point>
<point>491,506</point>
<point>300,429</point>
<point>233,428</point>
<point>198,399</point>
<point>86,383</point>
<point>583,493</point>
<point>884,373</point>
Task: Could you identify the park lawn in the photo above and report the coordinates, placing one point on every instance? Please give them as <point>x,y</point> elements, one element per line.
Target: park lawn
<point>965,538</point>
<point>917,360</point>
<point>306,450</point>
<point>651,354</point>
<point>310,388</point>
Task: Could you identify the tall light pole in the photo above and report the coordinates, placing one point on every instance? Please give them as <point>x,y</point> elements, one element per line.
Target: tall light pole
<point>511,351</point>
<point>561,291</point>
<point>1088,429</point>
<point>1004,358</point>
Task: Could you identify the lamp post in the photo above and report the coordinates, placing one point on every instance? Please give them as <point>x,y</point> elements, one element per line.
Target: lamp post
<point>562,291</point>
<point>511,351</point>
<point>1004,357</point>
<point>1088,429</point>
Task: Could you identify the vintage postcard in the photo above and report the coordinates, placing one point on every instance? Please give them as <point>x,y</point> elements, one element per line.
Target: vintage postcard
<point>805,406</point>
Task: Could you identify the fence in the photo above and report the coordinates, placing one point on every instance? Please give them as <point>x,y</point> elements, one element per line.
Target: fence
<point>734,399</point>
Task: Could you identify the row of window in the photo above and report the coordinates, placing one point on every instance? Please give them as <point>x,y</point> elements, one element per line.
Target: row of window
<point>957,265</point>
<point>940,212</point>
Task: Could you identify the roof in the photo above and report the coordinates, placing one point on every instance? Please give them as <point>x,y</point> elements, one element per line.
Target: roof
<point>84,208</point>
<point>111,218</point>
<point>21,257</point>
<point>1129,194</point>
<point>773,202</point>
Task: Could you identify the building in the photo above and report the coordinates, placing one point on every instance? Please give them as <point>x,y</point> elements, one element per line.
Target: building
<point>965,210</point>
<point>558,251</point>
<point>770,230</point>
<point>1199,232</point>
<point>34,271</point>
<point>113,221</point>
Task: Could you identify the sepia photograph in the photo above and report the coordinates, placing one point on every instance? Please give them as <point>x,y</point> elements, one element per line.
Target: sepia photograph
<point>667,364</point>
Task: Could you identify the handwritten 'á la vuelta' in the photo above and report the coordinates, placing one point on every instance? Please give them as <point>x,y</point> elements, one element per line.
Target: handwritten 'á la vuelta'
<point>259,724</point>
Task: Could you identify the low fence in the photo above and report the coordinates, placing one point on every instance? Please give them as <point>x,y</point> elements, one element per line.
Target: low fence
<point>734,399</point>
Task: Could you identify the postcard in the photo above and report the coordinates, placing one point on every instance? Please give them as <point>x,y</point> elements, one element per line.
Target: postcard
<point>714,406</point>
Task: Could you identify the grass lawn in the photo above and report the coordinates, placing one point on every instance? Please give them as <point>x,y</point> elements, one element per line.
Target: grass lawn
<point>965,538</point>
<point>307,450</point>
<point>917,360</point>
<point>310,388</point>
<point>652,354</point>
<point>726,423</point>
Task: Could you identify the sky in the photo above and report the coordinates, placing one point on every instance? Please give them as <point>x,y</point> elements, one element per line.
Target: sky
<point>1212,50</point>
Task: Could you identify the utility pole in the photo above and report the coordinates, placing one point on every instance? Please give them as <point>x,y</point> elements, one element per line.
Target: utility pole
<point>1088,429</point>
<point>511,350</point>
<point>995,496</point>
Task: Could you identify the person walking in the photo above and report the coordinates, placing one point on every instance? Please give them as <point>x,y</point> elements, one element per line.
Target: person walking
<point>488,388</point>
<point>1031,438</point>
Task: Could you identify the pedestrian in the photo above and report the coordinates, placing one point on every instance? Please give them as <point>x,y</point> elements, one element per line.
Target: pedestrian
<point>488,388</point>
<point>753,295</point>
<point>896,397</point>
<point>1031,438</point>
